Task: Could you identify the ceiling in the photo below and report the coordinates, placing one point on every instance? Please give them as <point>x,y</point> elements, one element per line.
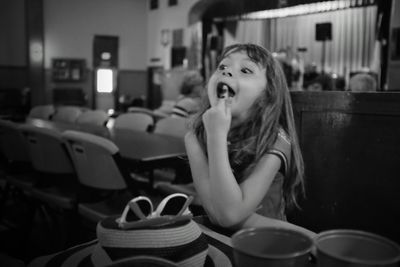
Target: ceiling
<point>209,9</point>
<point>223,8</point>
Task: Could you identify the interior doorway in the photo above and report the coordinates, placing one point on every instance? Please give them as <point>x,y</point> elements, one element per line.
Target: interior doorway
<point>105,71</point>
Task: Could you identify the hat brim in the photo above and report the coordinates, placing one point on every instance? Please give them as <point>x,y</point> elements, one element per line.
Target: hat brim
<point>79,256</point>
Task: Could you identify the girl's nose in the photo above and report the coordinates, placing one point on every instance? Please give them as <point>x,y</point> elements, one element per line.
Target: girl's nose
<point>227,73</point>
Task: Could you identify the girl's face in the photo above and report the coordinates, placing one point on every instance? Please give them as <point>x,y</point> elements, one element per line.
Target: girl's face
<point>244,79</point>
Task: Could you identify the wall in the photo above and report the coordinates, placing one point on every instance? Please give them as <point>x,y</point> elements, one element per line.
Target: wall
<point>70,27</point>
<point>12,28</point>
<point>13,56</point>
<point>164,87</point>
<point>166,17</point>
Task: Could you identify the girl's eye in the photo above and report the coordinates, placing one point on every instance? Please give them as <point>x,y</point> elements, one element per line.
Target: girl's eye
<point>222,67</point>
<point>246,70</point>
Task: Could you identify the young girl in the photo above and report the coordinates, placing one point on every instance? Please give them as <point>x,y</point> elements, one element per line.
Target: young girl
<point>243,152</point>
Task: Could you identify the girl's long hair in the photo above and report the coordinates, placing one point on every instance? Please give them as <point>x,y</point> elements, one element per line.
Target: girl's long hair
<point>250,140</point>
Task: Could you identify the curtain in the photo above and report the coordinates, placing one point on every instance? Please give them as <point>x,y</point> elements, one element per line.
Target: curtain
<point>253,30</point>
<point>351,47</point>
<point>194,51</point>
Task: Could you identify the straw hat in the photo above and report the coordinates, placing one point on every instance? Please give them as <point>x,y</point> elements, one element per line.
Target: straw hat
<point>181,243</point>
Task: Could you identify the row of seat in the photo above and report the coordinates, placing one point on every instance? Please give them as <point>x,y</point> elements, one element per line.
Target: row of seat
<point>71,170</point>
<point>140,119</point>
<point>57,161</point>
<point>58,113</point>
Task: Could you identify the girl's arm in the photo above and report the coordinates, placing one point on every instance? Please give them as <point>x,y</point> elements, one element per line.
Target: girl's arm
<point>251,187</point>
<point>199,169</point>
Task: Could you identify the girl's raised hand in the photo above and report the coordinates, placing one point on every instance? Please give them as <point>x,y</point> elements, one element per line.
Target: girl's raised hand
<point>217,119</point>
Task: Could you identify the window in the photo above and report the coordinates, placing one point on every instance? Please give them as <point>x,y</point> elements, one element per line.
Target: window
<point>153,4</point>
<point>68,70</point>
<point>172,2</point>
<point>177,37</point>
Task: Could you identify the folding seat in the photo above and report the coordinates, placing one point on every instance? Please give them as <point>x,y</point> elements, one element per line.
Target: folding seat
<point>57,190</point>
<point>52,196</point>
<point>42,112</point>
<point>16,168</point>
<point>94,121</point>
<point>174,126</point>
<point>56,179</point>
<point>181,182</point>
<point>67,114</point>
<point>140,110</point>
<point>12,144</point>
<point>93,117</point>
<point>101,171</point>
<point>134,121</point>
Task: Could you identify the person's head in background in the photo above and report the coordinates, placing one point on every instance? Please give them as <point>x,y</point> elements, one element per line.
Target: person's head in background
<point>323,82</point>
<point>310,68</point>
<point>282,57</point>
<point>260,105</point>
<point>192,84</point>
<point>362,82</point>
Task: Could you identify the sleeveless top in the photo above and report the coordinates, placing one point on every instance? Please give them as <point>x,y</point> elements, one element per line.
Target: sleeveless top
<point>273,204</point>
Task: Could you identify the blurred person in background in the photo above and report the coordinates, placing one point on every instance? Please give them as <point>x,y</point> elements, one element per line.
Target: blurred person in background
<point>282,57</point>
<point>310,73</point>
<point>188,101</point>
<point>362,82</point>
<point>323,82</point>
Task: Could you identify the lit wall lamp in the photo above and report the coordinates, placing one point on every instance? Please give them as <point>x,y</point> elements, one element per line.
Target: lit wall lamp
<point>165,35</point>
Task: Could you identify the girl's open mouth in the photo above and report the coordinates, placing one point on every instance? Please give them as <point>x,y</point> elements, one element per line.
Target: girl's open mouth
<point>224,89</point>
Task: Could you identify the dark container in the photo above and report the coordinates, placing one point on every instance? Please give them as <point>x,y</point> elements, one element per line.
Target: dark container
<point>354,248</point>
<point>272,247</point>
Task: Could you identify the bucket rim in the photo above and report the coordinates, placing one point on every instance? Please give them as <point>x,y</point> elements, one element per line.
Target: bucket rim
<point>273,256</point>
<point>360,233</point>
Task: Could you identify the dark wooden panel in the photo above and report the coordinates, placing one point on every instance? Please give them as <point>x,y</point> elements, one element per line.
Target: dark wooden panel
<point>73,96</point>
<point>351,147</point>
<point>14,103</point>
<point>13,77</point>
